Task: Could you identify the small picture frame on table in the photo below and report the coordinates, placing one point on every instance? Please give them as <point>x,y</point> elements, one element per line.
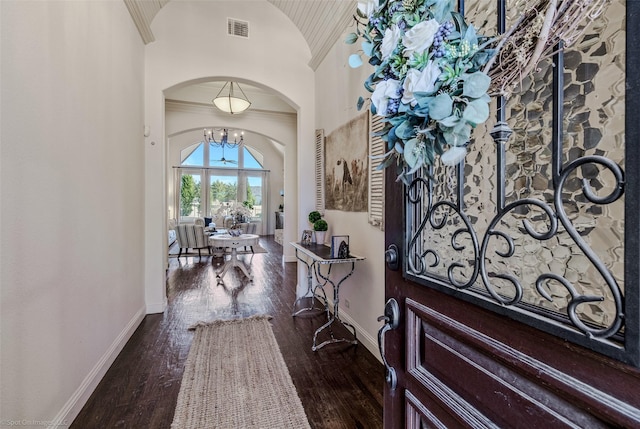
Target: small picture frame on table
<point>340,246</point>
<point>306,237</point>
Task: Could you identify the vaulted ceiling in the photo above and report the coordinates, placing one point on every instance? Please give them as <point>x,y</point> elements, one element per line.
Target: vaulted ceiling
<point>321,22</point>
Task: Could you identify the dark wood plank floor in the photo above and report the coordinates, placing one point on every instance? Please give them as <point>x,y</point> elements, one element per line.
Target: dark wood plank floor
<point>340,385</point>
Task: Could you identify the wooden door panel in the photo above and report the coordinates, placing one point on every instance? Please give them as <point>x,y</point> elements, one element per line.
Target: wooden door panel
<point>486,374</point>
<point>467,357</point>
<point>464,366</point>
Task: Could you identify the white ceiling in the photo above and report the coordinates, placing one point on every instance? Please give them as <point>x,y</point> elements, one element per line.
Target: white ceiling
<point>204,92</point>
<point>321,22</point>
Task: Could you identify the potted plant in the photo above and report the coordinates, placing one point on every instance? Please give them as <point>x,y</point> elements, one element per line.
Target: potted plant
<point>314,216</point>
<point>320,227</point>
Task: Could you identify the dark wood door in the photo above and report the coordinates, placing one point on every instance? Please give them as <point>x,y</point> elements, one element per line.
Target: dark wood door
<point>538,330</point>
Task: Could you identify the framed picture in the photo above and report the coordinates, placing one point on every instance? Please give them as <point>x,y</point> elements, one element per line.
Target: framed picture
<point>306,237</point>
<point>340,246</point>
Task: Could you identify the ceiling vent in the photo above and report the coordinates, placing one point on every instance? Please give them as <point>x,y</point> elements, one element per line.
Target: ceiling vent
<point>237,28</point>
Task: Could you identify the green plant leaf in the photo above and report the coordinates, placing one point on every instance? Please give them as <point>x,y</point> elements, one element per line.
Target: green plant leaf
<point>351,38</point>
<point>441,107</point>
<point>476,112</point>
<point>476,85</point>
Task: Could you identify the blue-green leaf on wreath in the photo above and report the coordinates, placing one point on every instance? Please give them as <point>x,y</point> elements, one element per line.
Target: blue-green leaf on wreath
<point>391,136</point>
<point>475,85</point>
<point>398,147</point>
<point>458,135</point>
<point>351,38</point>
<point>404,108</point>
<point>441,107</point>
<point>412,153</point>
<point>441,10</point>
<point>453,156</point>
<point>476,112</point>
<point>450,121</point>
<point>367,47</point>
<point>355,61</point>
<point>480,59</point>
<point>395,121</point>
<point>485,97</point>
<point>386,163</point>
<point>460,23</point>
<point>360,103</point>
<point>405,130</point>
<point>461,134</point>
<point>368,84</point>
<point>422,100</point>
<point>471,36</point>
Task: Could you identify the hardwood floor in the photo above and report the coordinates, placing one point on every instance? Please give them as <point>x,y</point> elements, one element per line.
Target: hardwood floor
<point>340,385</point>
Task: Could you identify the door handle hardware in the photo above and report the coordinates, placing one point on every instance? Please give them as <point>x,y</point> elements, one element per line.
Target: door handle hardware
<point>391,319</point>
<point>391,257</point>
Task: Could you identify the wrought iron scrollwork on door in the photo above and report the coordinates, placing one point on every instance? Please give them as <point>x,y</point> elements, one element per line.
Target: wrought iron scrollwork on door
<point>533,250</point>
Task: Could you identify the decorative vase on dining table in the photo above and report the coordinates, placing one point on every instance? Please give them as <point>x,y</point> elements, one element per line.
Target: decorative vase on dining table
<point>320,236</point>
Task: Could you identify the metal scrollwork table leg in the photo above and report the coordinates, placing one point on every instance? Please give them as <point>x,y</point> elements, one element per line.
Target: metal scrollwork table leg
<point>311,291</point>
<point>335,316</point>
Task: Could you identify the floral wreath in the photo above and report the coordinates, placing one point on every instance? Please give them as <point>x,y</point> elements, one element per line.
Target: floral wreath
<point>431,80</point>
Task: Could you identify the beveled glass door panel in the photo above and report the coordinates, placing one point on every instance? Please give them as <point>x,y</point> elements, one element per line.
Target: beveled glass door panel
<point>540,237</point>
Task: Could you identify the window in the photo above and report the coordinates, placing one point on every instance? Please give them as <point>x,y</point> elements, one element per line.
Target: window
<point>212,179</point>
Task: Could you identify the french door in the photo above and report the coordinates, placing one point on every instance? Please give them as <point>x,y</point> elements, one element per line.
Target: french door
<point>512,280</point>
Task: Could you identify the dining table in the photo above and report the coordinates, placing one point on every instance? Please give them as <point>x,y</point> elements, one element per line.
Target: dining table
<point>228,241</point>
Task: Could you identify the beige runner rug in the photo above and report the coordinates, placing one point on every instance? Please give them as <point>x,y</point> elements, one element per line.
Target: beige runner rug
<point>235,377</point>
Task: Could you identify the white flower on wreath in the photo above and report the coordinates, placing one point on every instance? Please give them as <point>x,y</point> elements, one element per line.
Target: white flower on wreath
<point>420,37</point>
<point>368,7</point>
<point>390,40</point>
<point>420,81</point>
<point>384,91</point>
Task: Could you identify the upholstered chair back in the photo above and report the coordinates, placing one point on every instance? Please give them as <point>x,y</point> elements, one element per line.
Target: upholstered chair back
<point>191,236</point>
<point>247,228</point>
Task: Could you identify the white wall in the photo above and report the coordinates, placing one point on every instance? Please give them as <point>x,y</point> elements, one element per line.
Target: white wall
<point>338,88</point>
<point>192,44</point>
<point>71,252</point>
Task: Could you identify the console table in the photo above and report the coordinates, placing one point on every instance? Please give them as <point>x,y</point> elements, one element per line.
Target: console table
<point>233,243</point>
<point>315,256</point>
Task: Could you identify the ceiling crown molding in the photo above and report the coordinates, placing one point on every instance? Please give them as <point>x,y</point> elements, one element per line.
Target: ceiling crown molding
<point>143,12</point>
<point>321,22</point>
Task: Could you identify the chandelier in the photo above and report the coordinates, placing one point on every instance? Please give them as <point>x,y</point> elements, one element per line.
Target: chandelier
<point>231,101</point>
<point>223,139</point>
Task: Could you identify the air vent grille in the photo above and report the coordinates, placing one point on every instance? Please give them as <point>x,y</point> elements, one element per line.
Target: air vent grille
<point>237,28</point>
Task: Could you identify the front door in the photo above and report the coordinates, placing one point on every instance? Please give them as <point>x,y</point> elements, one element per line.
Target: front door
<point>517,277</point>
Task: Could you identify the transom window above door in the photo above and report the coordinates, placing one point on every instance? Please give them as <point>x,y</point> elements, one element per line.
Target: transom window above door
<point>224,157</point>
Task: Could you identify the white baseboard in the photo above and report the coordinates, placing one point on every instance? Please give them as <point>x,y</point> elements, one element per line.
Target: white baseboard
<point>363,336</point>
<point>80,397</point>
<point>157,307</point>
